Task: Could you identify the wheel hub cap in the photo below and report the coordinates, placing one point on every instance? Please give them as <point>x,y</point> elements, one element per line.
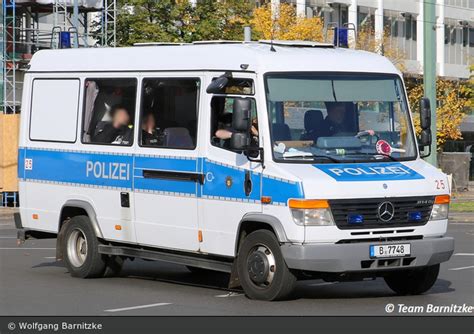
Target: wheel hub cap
<point>261,266</point>
<point>77,248</point>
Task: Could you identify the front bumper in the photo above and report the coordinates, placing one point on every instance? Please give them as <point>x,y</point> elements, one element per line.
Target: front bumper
<point>354,257</point>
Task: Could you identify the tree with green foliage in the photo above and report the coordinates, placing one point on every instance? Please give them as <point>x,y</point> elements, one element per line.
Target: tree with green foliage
<point>179,21</point>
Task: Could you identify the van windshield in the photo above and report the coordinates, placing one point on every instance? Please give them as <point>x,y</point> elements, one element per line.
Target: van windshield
<point>338,118</point>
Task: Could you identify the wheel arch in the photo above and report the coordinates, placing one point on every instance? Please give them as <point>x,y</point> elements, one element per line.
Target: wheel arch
<point>76,208</point>
<point>255,221</point>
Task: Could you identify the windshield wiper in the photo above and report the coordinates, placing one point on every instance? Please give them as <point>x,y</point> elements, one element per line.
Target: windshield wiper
<point>388,157</point>
<point>313,157</point>
<point>374,156</point>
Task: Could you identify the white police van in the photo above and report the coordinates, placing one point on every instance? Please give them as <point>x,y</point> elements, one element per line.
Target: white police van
<point>270,162</point>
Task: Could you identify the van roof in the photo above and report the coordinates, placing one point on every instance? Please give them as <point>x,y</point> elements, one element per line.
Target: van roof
<point>213,56</point>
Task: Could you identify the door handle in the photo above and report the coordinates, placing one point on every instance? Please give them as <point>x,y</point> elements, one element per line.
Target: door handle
<point>124,200</point>
<point>176,176</point>
<point>247,183</point>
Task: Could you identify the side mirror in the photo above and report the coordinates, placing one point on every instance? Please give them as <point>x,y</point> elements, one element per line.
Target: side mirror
<point>240,141</point>
<point>217,85</point>
<point>241,122</point>
<point>425,138</point>
<point>425,113</point>
<point>425,123</point>
<point>241,119</point>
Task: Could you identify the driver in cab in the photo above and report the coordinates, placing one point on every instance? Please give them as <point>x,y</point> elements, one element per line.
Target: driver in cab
<point>340,122</point>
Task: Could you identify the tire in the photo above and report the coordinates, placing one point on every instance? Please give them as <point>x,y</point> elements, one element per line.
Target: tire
<point>262,270</point>
<point>80,247</point>
<point>413,282</point>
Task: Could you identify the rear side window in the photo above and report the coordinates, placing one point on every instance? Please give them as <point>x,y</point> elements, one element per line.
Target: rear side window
<point>109,111</point>
<point>54,107</point>
<point>169,113</point>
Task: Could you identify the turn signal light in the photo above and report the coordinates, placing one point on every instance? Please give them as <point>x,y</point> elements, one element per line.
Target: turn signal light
<point>266,200</point>
<point>442,199</point>
<point>308,204</point>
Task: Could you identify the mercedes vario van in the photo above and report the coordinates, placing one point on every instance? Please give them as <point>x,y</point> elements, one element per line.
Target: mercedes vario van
<point>270,162</point>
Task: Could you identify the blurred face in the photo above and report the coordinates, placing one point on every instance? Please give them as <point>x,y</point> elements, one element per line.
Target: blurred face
<point>336,113</point>
<point>121,117</point>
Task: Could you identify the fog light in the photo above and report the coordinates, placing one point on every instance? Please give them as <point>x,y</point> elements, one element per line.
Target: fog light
<point>355,219</point>
<point>414,216</point>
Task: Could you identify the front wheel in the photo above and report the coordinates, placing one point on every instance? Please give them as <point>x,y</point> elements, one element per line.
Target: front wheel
<point>81,249</point>
<point>262,270</point>
<point>414,281</point>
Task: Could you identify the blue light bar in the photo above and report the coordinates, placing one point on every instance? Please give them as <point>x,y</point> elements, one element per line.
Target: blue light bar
<point>414,216</point>
<point>64,40</point>
<point>341,37</point>
<point>355,219</point>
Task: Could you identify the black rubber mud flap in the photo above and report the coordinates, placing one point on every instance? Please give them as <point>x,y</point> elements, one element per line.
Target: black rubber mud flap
<point>60,243</point>
<point>234,277</point>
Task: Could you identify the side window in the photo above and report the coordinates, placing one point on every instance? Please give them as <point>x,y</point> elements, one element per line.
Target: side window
<point>54,107</point>
<point>169,113</point>
<point>221,121</point>
<point>109,111</point>
<point>238,86</point>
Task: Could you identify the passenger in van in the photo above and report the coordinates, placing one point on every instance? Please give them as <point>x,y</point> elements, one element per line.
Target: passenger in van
<point>118,131</point>
<point>150,133</point>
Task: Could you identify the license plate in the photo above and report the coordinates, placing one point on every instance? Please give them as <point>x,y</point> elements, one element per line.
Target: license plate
<point>397,250</point>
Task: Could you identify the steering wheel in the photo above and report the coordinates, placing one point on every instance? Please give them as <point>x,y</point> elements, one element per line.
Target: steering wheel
<point>373,137</point>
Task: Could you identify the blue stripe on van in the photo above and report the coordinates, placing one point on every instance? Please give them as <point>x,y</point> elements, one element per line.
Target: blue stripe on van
<point>98,169</point>
<point>21,163</point>
<point>377,171</point>
<point>281,190</point>
<point>166,163</point>
<point>228,182</point>
<point>162,163</point>
<point>117,171</point>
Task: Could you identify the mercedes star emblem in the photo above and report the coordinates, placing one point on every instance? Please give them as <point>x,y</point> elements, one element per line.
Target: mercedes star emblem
<point>386,211</point>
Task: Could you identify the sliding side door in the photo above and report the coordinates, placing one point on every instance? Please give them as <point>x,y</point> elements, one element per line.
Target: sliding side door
<point>166,175</point>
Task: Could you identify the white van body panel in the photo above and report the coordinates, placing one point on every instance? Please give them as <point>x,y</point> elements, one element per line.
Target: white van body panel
<point>201,217</point>
<point>213,57</point>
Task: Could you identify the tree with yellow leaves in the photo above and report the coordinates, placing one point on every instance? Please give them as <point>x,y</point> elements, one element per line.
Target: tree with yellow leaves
<point>368,41</point>
<point>286,25</point>
<point>453,98</point>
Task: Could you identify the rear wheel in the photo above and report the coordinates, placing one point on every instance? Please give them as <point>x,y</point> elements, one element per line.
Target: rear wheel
<point>82,257</point>
<point>413,282</point>
<point>262,270</point>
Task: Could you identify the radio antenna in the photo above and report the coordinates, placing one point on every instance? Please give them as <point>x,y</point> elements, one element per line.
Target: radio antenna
<point>272,49</point>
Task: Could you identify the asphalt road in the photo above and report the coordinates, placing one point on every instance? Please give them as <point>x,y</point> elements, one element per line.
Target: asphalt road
<point>33,283</point>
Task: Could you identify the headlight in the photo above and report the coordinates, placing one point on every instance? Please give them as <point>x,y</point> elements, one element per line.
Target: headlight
<point>440,208</point>
<point>311,212</point>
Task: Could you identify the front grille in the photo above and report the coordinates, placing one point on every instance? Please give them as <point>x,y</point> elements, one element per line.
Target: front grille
<point>386,239</point>
<point>343,209</point>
